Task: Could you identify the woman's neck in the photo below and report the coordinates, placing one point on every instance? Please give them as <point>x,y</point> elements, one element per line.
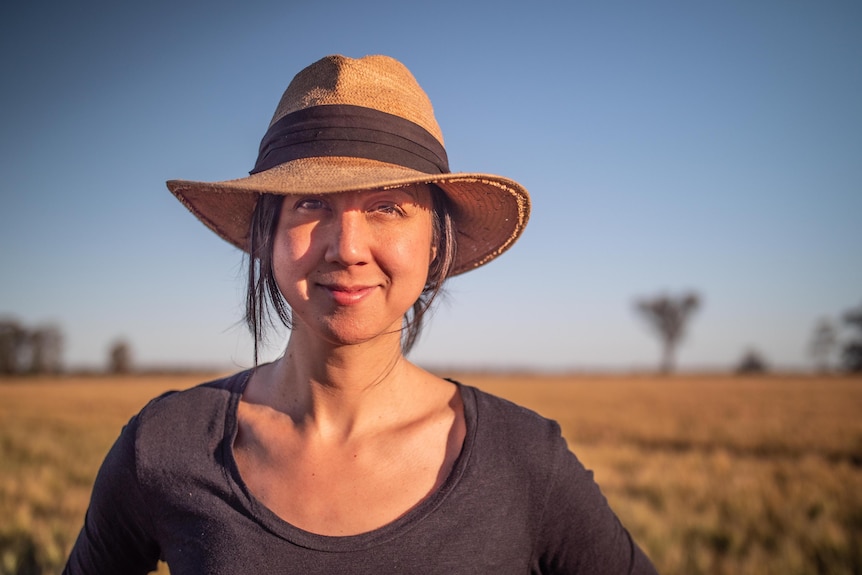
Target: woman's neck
<point>338,390</point>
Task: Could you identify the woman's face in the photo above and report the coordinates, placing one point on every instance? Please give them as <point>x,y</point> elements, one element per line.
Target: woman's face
<point>350,265</point>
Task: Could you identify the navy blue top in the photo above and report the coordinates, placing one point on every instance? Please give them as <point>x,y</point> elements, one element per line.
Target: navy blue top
<point>516,501</point>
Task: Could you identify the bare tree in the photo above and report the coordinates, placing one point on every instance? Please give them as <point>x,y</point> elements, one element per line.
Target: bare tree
<point>120,357</point>
<point>851,355</point>
<point>24,350</point>
<point>667,315</point>
<point>46,349</point>
<point>13,342</point>
<point>751,363</point>
<point>823,342</point>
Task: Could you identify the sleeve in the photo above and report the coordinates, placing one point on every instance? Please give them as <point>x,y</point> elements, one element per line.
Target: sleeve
<point>579,532</point>
<point>117,536</point>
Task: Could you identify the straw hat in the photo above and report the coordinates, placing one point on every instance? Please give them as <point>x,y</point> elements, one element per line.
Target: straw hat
<point>359,124</point>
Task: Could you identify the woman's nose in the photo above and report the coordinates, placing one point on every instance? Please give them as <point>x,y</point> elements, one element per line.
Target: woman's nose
<point>349,239</point>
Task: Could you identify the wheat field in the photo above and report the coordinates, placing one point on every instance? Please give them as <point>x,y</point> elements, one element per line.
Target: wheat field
<point>711,474</point>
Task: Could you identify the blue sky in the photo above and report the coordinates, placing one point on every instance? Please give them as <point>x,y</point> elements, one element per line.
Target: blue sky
<point>668,146</point>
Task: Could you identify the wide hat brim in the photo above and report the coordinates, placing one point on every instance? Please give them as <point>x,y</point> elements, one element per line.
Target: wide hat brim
<point>489,212</point>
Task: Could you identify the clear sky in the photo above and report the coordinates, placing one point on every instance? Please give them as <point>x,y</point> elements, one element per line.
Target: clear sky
<point>668,146</point>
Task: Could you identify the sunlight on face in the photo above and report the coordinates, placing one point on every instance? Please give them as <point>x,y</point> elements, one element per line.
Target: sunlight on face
<point>351,264</point>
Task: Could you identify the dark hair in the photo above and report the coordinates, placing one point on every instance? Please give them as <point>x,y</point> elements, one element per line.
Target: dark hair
<point>263,298</point>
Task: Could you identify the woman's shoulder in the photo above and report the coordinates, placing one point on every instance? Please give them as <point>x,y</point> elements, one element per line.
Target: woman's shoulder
<point>495,409</point>
<point>181,430</point>
<point>180,416</point>
<point>194,400</point>
<point>502,425</point>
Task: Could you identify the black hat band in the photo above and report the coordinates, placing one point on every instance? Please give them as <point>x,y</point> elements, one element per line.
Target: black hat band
<point>351,131</point>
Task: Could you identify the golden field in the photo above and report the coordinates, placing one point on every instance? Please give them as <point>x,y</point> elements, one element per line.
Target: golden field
<point>711,474</point>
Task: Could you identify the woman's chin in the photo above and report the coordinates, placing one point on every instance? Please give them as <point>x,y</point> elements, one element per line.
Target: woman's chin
<point>346,333</point>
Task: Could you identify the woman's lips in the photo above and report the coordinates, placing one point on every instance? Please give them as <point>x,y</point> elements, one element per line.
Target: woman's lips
<point>347,295</point>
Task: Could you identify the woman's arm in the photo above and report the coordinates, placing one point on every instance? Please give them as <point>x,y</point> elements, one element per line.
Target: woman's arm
<point>580,533</point>
<point>117,536</point>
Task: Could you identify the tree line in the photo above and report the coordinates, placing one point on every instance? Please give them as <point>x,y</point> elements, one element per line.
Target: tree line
<point>668,316</point>
<point>38,350</point>
<point>826,339</point>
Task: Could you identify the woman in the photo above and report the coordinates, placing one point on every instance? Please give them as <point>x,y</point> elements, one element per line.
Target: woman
<point>342,456</point>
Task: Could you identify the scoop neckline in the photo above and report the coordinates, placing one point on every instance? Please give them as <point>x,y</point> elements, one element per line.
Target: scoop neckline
<point>337,543</point>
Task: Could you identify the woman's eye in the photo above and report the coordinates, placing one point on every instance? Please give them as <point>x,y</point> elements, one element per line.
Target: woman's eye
<point>390,209</point>
<point>310,204</point>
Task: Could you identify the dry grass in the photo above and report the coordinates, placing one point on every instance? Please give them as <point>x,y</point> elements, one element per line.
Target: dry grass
<point>719,474</point>
<point>54,434</point>
<point>711,474</point>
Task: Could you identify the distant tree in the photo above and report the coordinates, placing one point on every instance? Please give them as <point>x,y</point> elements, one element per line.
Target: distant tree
<point>823,342</point>
<point>851,354</point>
<point>13,346</point>
<point>751,363</point>
<point>25,350</point>
<point>120,357</point>
<point>46,349</point>
<point>667,315</point>
<point>851,357</point>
